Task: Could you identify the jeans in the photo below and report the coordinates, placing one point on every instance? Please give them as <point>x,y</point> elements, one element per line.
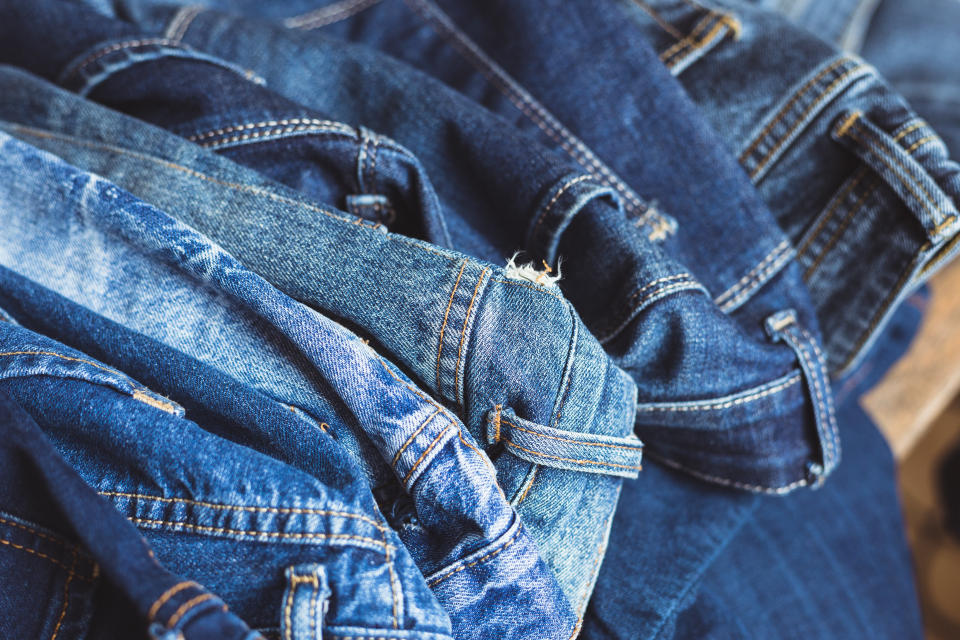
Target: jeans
<point>443,496</point>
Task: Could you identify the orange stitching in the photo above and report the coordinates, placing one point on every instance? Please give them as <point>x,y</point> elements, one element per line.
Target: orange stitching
<point>729,403</point>
<point>255,534</point>
<point>725,21</point>
<point>425,452</point>
<point>553,200</point>
<point>412,436</point>
<point>493,553</point>
<point>66,596</point>
<point>589,444</point>
<point>41,555</point>
<point>758,279</point>
<point>799,121</point>
<point>39,534</point>
<point>533,475</point>
<point>835,236</point>
<point>169,593</point>
<point>117,47</point>
<point>883,157</point>
<point>903,134</point>
<point>786,108</point>
<point>230,507</point>
<point>602,464</point>
<point>415,391</point>
<point>943,225</point>
<point>853,117</point>
<point>186,606</point>
<point>446,315</point>
<point>477,451</point>
<point>496,421</point>
<point>861,174</point>
<point>153,402</point>
<point>666,26</point>
<point>920,142</point>
<point>702,25</point>
<point>463,331</point>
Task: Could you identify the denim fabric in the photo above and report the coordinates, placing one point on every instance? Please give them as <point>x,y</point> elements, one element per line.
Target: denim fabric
<point>72,566</point>
<point>862,185</point>
<point>718,406</point>
<point>845,23</point>
<point>220,514</point>
<point>914,44</point>
<point>447,507</point>
<point>706,586</point>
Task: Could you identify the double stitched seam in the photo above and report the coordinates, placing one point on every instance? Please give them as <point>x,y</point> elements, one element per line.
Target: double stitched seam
<point>446,316</point>
<point>573,460</point>
<point>329,14</point>
<point>169,593</point>
<point>288,122</point>
<point>688,285</point>
<point>884,157</point>
<point>597,557</point>
<point>730,483</point>
<point>260,534</point>
<point>463,332</point>
<point>482,559</point>
<point>770,263</point>
<point>253,509</point>
<point>181,22</point>
<point>66,596</point>
<point>824,96</point>
<point>187,606</point>
<point>922,141</point>
<point>302,130</point>
<point>546,121</point>
<point>413,436</point>
<point>694,42</point>
<point>394,586</point>
<point>39,554</point>
<point>581,442</point>
<point>243,188</point>
<point>296,580</point>
<point>860,175</point>
<point>666,26</point>
<point>563,188</point>
<point>139,393</point>
<point>838,232</point>
<point>423,455</point>
<point>727,404</point>
<point>825,405</point>
<point>129,44</point>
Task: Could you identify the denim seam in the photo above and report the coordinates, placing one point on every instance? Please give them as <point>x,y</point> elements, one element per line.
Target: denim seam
<point>693,43</point>
<point>782,490</point>
<point>242,508</point>
<point>119,46</point>
<point>573,460</point>
<point>66,596</point>
<point>328,14</point>
<point>446,316</point>
<point>597,557</point>
<point>785,110</point>
<point>185,608</point>
<point>825,96</point>
<point>581,442</point>
<point>528,286</point>
<point>413,436</point>
<point>463,334</point>
<point>839,231</point>
<point>40,554</point>
<point>563,188</point>
<point>37,533</point>
<point>181,21</point>
<point>169,593</point>
<point>884,157</point>
<point>653,296</point>
<point>424,453</point>
<point>755,278</point>
<point>566,381</point>
<point>831,418</point>
<point>527,104</point>
<point>684,42</point>
<point>437,580</point>
<point>138,392</point>
<point>529,482</point>
<point>282,535</point>
<point>825,218</point>
<point>735,401</point>
<point>330,125</point>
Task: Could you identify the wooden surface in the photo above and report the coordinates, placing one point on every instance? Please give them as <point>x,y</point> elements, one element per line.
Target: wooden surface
<point>922,385</point>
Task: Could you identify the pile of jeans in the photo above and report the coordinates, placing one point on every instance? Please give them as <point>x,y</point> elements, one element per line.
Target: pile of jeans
<point>355,319</point>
